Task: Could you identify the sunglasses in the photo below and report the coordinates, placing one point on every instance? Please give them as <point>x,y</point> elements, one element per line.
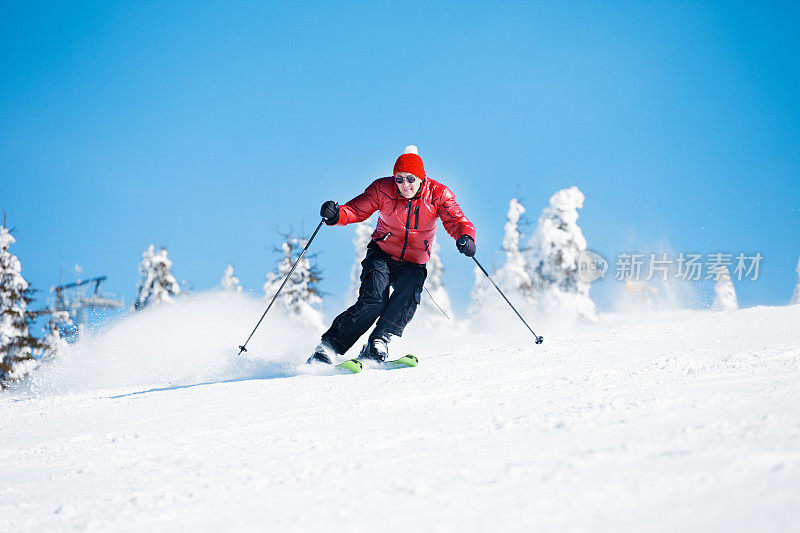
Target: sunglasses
<point>408,179</point>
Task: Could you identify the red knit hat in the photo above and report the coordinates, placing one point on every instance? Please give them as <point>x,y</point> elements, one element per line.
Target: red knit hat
<point>410,162</point>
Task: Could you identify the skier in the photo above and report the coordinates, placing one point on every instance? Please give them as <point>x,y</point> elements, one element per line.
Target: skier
<point>409,203</point>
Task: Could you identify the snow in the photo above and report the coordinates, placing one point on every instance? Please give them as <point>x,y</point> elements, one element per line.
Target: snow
<point>12,286</point>
<point>363,236</point>
<point>157,284</point>
<point>435,303</point>
<point>513,277</point>
<point>552,257</point>
<point>229,282</point>
<point>52,341</point>
<point>299,298</point>
<point>16,343</point>
<point>482,300</point>
<point>682,420</point>
<point>796,294</point>
<point>724,292</point>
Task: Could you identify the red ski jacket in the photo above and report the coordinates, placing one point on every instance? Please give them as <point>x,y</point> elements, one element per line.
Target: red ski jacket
<point>406,227</point>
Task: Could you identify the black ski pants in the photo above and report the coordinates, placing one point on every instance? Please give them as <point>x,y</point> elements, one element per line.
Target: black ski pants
<point>378,272</point>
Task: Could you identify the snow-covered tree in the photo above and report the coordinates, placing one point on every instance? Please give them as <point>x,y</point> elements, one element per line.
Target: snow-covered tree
<point>513,277</point>
<point>53,342</point>
<point>230,282</point>
<point>300,297</point>
<point>796,295</point>
<point>360,241</point>
<point>482,296</point>
<point>724,293</point>
<point>157,284</point>
<point>436,304</point>
<point>16,343</point>
<point>553,253</point>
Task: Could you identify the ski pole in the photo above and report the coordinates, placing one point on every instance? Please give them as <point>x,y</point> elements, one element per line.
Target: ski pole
<point>242,348</point>
<point>539,339</point>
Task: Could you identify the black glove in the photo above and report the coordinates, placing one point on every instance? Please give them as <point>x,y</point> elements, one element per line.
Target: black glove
<point>330,212</point>
<point>466,245</point>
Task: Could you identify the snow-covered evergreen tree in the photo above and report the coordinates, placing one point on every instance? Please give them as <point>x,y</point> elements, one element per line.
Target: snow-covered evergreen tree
<point>553,254</point>
<point>481,298</point>
<point>513,277</point>
<point>53,342</point>
<point>300,297</point>
<point>157,284</point>
<point>230,282</point>
<point>724,293</point>
<point>16,343</point>
<point>436,304</point>
<point>360,241</point>
<point>796,295</point>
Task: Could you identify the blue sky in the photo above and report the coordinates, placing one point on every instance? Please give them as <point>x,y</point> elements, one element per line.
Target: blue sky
<point>207,126</point>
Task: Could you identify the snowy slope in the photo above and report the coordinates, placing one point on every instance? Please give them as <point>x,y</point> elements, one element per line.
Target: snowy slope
<point>681,421</point>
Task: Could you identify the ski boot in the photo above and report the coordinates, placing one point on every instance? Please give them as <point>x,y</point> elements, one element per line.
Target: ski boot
<point>377,347</point>
<point>323,353</point>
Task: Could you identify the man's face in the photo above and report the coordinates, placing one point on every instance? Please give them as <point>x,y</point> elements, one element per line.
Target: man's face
<point>408,190</point>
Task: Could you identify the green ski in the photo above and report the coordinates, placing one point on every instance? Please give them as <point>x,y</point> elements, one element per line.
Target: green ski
<point>404,362</point>
<point>353,365</point>
<point>407,360</point>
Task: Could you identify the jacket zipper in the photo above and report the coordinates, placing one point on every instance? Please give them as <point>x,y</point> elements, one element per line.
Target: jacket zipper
<point>416,217</point>
<point>408,223</point>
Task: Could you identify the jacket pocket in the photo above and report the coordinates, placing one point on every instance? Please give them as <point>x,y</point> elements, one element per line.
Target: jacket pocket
<point>383,238</point>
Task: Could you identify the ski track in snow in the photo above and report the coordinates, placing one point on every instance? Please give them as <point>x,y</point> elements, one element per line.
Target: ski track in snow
<point>681,421</point>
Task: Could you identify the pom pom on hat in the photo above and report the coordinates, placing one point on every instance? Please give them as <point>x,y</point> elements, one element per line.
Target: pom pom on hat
<point>410,162</point>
